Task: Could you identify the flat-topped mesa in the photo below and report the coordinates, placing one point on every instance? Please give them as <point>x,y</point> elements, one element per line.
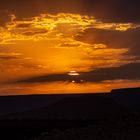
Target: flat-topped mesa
<point>126,90</point>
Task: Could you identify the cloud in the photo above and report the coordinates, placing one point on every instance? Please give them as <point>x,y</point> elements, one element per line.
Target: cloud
<point>9,56</point>
<point>11,61</point>
<point>109,10</point>
<point>65,30</point>
<point>114,39</point>
<point>66,41</point>
<point>100,39</point>
<point>124,72</point>
<point>58,26</point>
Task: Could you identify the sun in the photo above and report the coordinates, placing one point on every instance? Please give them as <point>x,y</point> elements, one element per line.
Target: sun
<point>73,73</point>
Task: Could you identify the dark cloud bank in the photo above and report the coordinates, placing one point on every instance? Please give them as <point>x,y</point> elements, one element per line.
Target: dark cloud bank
<point>107,10</point>
<point>125,72</point>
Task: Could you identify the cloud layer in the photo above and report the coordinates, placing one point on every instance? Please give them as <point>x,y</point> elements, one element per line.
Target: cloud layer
<point>51,45</point>
<point>86,37</point>
<point>125,72</point>
<point>109,10</point>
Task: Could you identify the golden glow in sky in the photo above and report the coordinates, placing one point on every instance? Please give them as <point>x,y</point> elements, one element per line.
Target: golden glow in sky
<point>48,44</point>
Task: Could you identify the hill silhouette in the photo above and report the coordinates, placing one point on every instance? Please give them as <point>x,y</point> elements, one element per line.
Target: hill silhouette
<point>108,116</point>
<point>95,106</point>
<point>76,106</point>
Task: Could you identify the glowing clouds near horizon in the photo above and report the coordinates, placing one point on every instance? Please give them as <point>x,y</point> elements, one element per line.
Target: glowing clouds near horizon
<point>48,44</point>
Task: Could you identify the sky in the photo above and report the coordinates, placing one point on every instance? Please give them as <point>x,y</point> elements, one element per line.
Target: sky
<point>59,46</point>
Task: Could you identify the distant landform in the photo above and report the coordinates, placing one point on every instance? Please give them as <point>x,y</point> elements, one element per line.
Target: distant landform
<point>108,116</point>
<point>71,106</point>
<point>126,90</point>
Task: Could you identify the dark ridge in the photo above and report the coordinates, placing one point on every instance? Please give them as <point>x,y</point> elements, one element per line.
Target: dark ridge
<point>126,90</point>
<point>74,107</point>
<point>71,116</point>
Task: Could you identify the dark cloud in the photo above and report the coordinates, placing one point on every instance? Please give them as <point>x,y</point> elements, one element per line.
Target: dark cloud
<point>23,25</point>
<point>35,32</point>
<point>47,78</point>
<point>108,10</point>
<point>113,39</point>
<point>125,72</point>
<point>9,56</point>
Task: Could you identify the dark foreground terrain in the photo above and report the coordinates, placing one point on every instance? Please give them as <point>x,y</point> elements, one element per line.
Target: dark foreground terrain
<point>106,116</point>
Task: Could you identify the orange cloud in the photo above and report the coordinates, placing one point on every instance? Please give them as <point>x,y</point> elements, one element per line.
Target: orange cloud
<point>50,43</point>
<point>57,26</point>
